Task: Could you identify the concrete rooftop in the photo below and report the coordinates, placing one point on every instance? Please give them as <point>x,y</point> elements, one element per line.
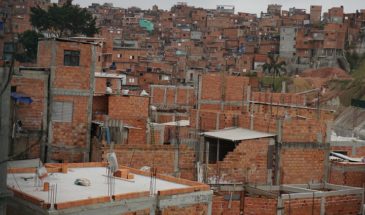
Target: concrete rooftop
<point>68,191</point>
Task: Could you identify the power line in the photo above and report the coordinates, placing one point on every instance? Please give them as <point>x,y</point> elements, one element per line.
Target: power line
<point>23,152</point>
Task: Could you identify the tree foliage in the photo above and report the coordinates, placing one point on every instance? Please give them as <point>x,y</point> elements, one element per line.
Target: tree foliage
<point>65,20</point>
<point>274,67</point>
<point>28,40</point>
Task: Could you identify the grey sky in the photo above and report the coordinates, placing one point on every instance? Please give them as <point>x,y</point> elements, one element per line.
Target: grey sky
<point>252,6</point>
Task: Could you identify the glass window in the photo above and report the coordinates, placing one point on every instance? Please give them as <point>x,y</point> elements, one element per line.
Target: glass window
<point>71,58</point>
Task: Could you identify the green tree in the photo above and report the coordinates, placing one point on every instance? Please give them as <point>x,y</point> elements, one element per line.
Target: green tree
<point>274,67</point>
<point>64,21</point>
<point>28,41</point>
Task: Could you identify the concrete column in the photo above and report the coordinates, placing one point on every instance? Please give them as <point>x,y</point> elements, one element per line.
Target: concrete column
<point>176,160</point>
<point>217,121</point>
<point>90,103</point>
<point>279,130</point>
<point>248,97</point>
<point>206,160</point>
<point>164,96</point>
<point>280,207</point>
<point>199,93</point>
<point>210,208</point>
<point>283,87</point>
<point>323,205</point>
<point>50,94</point>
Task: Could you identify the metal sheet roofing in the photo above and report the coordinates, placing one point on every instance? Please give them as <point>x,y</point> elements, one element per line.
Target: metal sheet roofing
<point>237,134</point>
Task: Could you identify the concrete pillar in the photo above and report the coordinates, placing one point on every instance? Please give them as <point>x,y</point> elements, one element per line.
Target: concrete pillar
<point>206,160</point>
<point>323,205</point>
<point>176,160</point>
<point>210,208</point>
<point>283,87</point>
<point>164,96</point>
<point>248,97</point>
<point>280,207</point>
<point>90,103</point>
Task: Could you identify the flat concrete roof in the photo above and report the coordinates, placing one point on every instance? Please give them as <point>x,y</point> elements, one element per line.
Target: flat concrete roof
<point>237,134</point>
<point>68,191</point>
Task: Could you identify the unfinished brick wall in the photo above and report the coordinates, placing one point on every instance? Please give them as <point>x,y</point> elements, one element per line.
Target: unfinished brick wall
<point>197,209</point>
<point>247,163</point>
<point>172,96</point>
<point>252,205</point>
<point>69,140</point>
<point>293,130</point>
<point>100,84</point>
<point>161,156</point>
<point>220,206</point>
<point>295,112</point>
<point>278,98</point>
<point>133,111</point>
<point>346,204</point>
<point>218,87</point>
<point>351,149</point>
<point>301,163</point>
<point>213,120</point>
<point>32,114</point>
<point>302,206</point>
<point>72,134</point>
<point>350,174</point>
<point>100,105</point>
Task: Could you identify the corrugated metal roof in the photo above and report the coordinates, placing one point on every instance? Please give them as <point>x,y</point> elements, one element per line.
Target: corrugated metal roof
<point>237,134</point>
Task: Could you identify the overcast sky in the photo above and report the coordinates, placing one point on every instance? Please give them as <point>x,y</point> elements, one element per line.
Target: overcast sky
<point>251,6</point>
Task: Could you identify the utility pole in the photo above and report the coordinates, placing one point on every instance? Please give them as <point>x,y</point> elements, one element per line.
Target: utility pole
<point>6,72</point>
<point>4,137</point>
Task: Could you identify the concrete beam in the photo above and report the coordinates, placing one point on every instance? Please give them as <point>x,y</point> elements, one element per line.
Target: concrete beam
<point>295,189</point>
<point>71,92</point>
<point>219,102</point>
<point>183,200</point>
<point>319,194</point>
<point>110,208</point>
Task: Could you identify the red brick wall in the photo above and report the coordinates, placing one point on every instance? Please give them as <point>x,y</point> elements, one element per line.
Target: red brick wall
<point>132,110</point>
<point>350,174</point>
<point>355,151</point>
<point>71,134</point>
<point>184,96</point>
<point>262,206</point>
<point>252,206</point>
<point>278,98</point>
<point>247,163</point>
<point>100,105</point>
<point>294,130</point>
<point>234,87</point>
<point>302,206</point>
<point>30,114</point>
<point>301,164</point>
<point>198,209</point>
<point>162,156</point>
<point>100,85</point>
<point>349,204</point>
<point>220,206</point>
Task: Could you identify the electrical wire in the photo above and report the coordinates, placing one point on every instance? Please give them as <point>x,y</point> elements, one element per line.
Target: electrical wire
<point>23,152</point>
